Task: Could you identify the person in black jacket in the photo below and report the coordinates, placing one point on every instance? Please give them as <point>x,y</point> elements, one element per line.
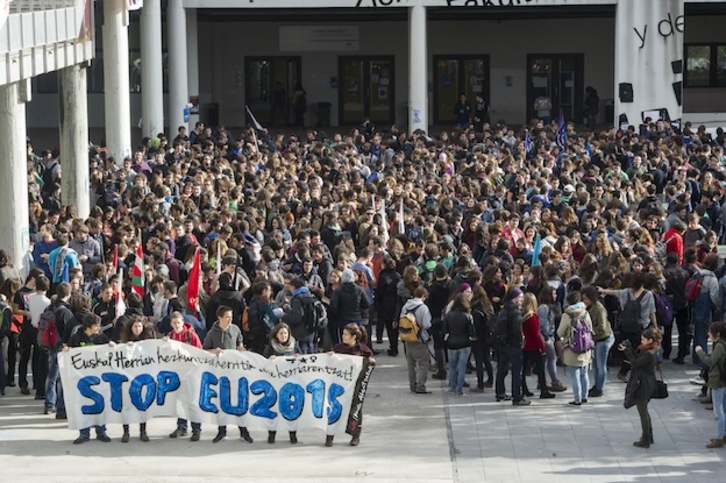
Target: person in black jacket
<point>227,296</point>
<point>676,278</point>
<point>65,322</point>
<point>386,301</point>
<point>642,380</point>
<point>508,338</point>
<point>302,300</point>
<point>436,301</point>
<point>459,332</point>
<point>348,304</point>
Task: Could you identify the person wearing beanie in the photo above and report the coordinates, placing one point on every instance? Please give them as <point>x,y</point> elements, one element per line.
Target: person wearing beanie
<point>348,304</point>
<point>508,339</point>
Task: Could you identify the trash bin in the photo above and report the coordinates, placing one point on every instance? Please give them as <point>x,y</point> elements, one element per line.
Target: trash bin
<point>209,114</point>
<point>324,114</point>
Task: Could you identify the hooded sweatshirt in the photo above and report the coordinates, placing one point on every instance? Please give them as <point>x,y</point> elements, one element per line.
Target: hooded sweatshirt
<point>187,335</point>
<point>565,331</point>
<point>422,314</point>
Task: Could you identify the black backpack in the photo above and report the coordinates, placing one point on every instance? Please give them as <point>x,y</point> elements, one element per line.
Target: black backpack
<point>315,317</point>
<point>500,334</point>
<point>630,315</point>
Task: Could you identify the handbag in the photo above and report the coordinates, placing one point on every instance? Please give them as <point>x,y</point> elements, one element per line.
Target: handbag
<point>661,388</point>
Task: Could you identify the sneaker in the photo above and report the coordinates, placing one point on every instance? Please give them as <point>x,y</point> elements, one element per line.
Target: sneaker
<point>521,402</point>
<point>39,397</point>
<point>221,434</point>
<point>504,397</point>
<point>25,391</point>
<point>594,393</point>
<point>697,381</point>
<point>48,410</point>
<point>715,443</point>
<point>466,384</point>
<point>392,353</point>
<point>103,437</point>
<point>245,435</point>
<point>488,384</point>
<point>195,435</point>
<point>622,377</point>
<point>422,391</point>
<point>558,387</point>
<point>547,395</point>
<point>81,440</point>
<point>439,377</point>
<point>679,361</point>
<point>178,432</point>
<point>574,403</point>
<point>61,416</point>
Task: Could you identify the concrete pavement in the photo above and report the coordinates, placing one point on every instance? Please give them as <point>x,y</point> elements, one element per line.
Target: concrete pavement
<point>406,438</point>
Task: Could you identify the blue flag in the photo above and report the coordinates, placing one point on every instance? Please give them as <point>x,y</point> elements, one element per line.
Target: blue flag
<point>528,144</point>
<point>561,134</point>
<point>537,248</point>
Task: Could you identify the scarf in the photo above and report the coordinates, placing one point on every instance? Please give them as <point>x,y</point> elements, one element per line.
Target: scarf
<point>281,349</point>
<point>647,347</point>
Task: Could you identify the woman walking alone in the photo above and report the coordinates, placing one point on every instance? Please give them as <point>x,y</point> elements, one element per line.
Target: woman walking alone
<point>642,380</point>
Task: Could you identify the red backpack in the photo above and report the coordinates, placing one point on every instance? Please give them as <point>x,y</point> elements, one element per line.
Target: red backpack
<point>693,287</point>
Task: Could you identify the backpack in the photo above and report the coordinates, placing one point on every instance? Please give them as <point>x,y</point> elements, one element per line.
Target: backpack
<point>47,330</point>
<point>501,330</point>
<point>49,176</point>
<point>6,320</point>
<point>408,328</point>
<point>630,315</point>
<point>663,309</point>
<point>315,317</point>
<point>693,287</point>
<point>661,247</point>
<point>580,340</point>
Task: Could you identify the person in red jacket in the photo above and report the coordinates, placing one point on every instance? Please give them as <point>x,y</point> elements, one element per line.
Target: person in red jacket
<point>534,347</point>
<point>673,239</point>
<point>183,332</point>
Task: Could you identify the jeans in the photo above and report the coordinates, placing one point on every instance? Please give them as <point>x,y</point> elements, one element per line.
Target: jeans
<point>551,360</point>
<point>483,357</point>
<point>417,358</point>
<point>53,387</point>
<point>86,432</point>
<point>718,396</point>
<point>307,347</point>
<point>580,382</point>
<point>701,317</point>
<point>509,357</point>
<point>602,349</point>
<point>457,368</point>
<point>182,423</point>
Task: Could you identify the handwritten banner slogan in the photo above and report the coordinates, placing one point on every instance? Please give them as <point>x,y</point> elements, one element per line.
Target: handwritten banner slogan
<point>129,384</point>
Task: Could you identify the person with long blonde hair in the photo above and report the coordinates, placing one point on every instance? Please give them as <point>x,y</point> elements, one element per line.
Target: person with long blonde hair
<point>534,349</point>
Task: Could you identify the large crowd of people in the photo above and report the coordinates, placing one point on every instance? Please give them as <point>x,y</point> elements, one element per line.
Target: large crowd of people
<point>495,248</point>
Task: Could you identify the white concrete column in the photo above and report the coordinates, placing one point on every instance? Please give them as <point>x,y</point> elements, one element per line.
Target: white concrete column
<point>14,235</point>
<point>418,104</point>
<point>116,79</point>
<point>74,139</point>
<point>192,59</point>
<point>178,88</point>
<point>152,70</point>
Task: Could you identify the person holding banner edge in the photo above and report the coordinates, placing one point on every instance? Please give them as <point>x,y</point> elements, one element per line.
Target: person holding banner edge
<point>225,336</point>
<point>183,332</point>
<point>281,343</point>
<point>89,335</point>
<point>354,344</point>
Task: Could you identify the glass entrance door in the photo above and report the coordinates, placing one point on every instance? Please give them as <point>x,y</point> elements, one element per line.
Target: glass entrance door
<point>269,84</point>
<point>454,75</point>
<point>558,79</point>
<point>366,89</point>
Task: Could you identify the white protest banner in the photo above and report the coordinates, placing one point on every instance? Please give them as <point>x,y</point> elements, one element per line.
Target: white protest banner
<point>134,383</point>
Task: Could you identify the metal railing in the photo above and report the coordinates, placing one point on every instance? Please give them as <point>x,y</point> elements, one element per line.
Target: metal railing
<point>25,6</point>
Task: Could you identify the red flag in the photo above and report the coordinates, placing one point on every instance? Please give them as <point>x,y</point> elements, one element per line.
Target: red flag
<point>137,272</point>
<point>115,259</point>
<point>195,277</point>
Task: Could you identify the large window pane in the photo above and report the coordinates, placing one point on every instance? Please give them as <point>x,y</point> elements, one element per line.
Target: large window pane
<point>721,65</point>
<point>698,65</point>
